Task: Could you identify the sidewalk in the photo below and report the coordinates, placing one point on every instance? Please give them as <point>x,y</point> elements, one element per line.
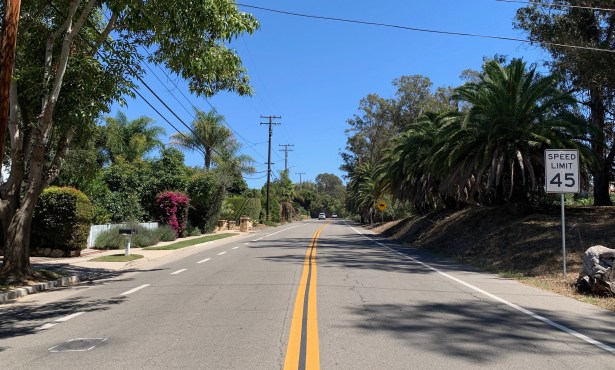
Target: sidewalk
<point>80,269</point>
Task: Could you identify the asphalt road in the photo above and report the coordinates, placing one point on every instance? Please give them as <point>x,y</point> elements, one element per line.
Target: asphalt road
<point>302,295</point>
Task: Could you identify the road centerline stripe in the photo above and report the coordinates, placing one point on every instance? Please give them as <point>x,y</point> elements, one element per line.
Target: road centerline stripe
<point>221,253</point>
<point>205,260</point>
<point>303,349</point>
<point>178,271</point>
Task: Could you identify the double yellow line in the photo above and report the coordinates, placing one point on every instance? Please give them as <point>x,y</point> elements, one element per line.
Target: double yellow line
<point>302,352</point>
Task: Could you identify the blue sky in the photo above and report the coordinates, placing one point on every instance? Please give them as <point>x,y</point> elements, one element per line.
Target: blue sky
<point>314,72</point>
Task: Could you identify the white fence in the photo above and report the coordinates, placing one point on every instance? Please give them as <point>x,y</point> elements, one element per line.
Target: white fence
<point>95,230</point>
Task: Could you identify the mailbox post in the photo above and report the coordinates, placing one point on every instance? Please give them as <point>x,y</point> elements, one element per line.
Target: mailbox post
<point>128,233</point>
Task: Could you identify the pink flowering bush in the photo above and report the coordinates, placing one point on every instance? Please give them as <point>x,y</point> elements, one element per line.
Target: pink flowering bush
<point>173,208</point>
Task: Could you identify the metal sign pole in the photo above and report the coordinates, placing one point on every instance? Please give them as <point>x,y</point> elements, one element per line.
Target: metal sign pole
<point>563,234</point>
<point>562,176</point>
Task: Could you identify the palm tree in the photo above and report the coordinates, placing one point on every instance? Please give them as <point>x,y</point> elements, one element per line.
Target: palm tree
<point>405,170</point>
<point>495,152</point>
<point>365,189</point>
<point>129,139</point>
<point>207,135</point>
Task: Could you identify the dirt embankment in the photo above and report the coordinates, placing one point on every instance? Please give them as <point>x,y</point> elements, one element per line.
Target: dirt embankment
<point>510,238</point>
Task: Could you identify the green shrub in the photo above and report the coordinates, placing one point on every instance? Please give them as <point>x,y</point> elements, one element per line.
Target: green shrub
<point>165,233</point>
<point>192,231</point>
<point>62,219</point>
<point>205,192</point>
<point>111,239</point>
<point>236,206</point>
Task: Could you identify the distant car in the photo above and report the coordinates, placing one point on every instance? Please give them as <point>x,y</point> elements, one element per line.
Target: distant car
<point>321,216</point>
<point>334,215</point>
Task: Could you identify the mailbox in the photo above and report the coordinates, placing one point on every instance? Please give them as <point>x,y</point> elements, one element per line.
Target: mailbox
<point>128,231</point>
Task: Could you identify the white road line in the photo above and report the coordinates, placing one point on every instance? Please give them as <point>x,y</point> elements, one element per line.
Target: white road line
<point>178,271</point>
<point>501,300</point>
<point>135,289</point>
<point>247,243</point>
<point>66,318</point>
<point>277,232</point>
<point>235,247</point>
<point>205,260</point>
<point>221,253</point>
<point>46,326</point>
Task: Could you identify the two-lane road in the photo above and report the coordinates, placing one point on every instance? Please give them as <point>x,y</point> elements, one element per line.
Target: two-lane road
<point>306,295</point>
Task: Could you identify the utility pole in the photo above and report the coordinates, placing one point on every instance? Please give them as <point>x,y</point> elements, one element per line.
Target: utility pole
<point>9,45</point>
<point>286,150</point>
<point>270,123</point>
<point>300,173</point>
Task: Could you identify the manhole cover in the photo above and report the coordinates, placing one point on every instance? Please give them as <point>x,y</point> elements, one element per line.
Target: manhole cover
<point>78,345</point>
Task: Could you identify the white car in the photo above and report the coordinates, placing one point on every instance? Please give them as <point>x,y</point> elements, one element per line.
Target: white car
<point>321,216</point>
<point>334,215</point>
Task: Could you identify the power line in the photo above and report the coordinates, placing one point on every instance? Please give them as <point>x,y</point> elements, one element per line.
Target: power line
<point>408,28</point>
<point>556,5</point>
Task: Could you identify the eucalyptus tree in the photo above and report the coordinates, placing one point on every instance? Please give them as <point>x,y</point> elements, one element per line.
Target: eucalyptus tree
<point>588,73</point>
<point>74,58</point>
<point>495,153</point>
<point>207,135</point>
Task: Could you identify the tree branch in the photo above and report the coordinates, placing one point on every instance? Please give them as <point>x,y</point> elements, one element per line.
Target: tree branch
<point>105,34</point>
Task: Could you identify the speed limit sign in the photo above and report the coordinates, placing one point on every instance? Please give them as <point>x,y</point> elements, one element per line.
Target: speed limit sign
<point>562,170</point>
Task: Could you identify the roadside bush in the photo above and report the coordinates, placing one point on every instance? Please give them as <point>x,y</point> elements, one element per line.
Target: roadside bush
<point>173,208</point>
<point>192,230</point>
<point>237,206</point>
<point>111,239</point>
<point>165,233</point>
<point>62,219</point>
<point>206,193</point>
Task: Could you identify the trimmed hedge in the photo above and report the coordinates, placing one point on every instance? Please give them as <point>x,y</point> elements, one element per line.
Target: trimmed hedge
<point>62,219</point>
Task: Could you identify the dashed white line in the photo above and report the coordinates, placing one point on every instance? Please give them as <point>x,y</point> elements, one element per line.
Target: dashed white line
<point>178,271</point>
<point>46,326</point>
<point>277,232</point>
<point>205,260</point>
<point>135,289</point>
<point>247,243</point>
<point>221,253</point>
<point>235,247</point>
<point>66,318</point>
<point>501,300</point>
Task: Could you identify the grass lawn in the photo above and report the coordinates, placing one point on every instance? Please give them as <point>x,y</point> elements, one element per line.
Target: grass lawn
<point>187,243</point>
<point>117,258</point>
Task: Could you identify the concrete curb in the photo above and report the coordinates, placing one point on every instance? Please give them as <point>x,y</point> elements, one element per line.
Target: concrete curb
<point>39,287</point>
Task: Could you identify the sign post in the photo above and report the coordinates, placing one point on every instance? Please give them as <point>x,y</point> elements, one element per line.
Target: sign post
<point>562,176</point>
<point>381,206</point>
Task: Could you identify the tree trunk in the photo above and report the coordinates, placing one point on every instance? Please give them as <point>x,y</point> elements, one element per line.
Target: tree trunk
<point>602,171</point>
<point>207,158</point>
<point>16,265</point>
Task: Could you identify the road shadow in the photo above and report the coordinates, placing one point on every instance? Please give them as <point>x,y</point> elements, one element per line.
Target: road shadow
<point>475,333</point>
<point>351,250</point>
<point>25,319</point>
